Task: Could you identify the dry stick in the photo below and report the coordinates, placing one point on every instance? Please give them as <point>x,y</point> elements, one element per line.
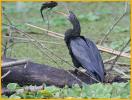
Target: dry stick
<point>10,34</point>
<point>112,51</point>
<point>119,54</point>
<point>101,48</point>
<point>113,25</point>
<point>65,6</point>
<point>109,60</point>
<point>27,40</point>
<point>14,63</point>
<point>57,12</point>
<point>28,36</point>
<point>121,72</point>
<point>5,48</point>
<point>7,18</point>
<point>6,74</point>
<point>10,40</point>
<point>120,63</point>
<point>11,45</point>
<point>45,30</point>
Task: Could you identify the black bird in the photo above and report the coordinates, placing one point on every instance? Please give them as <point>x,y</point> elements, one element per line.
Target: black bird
<point>47,5</point>
<point>83,51</point>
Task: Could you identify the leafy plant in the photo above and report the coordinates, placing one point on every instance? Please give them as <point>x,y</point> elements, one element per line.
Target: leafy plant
<point>12,86</point>
<point>98,90</point>
<point>14,96</point>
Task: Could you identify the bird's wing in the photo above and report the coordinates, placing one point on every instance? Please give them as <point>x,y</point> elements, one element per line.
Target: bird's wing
<point>88,55</point>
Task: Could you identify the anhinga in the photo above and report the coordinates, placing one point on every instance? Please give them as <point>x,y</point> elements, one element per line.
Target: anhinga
<point>83,51</point>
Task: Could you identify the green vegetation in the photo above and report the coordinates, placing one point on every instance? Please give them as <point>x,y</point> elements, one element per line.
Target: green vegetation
<point>114,90</point>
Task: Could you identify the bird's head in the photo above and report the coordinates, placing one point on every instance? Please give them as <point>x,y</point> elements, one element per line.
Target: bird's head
<point>75,31</point>
<point>72,17</point>
<point>75,22</point>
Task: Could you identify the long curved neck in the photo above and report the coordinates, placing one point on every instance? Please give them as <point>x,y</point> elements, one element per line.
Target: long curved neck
<point>76,26</point>
<point>75,31</point>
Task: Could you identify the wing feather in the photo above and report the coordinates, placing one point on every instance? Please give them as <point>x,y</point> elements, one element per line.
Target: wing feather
<point>86,52</point>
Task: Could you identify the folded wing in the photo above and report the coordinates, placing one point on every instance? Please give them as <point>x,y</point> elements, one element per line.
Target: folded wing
<point>87,54</point>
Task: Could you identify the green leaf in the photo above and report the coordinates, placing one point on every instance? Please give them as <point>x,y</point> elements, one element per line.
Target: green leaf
<point>52,89</point>
<point>12,86</point>
<point>39,95</point>
<point>4,96</point>
<point>97,90</point>
<point>14,96</point>
<point>119,29</point>
<point>75,91</point>
<point>45,93</point>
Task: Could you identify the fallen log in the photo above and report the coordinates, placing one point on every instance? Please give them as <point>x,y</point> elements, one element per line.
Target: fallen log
<point>37,74</point>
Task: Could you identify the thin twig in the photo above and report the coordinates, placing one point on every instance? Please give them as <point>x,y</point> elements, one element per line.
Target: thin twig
<point>109,60</point>
<point>112,51</point>
<point>5,16</point>
<point>121,72</point>
<point>27,40</point>
<point>45,30</point>
<point>58,12</point>
<point>115,23</point>
<point>14,63</point>
<point>6,74</point>
<point>120,63</point>
<point>65,5</point>
<point>10,34</point>
<point>119,54</point>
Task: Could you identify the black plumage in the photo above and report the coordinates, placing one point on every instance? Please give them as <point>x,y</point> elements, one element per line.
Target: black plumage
<point>47,5</point>
<point>83,51</point>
